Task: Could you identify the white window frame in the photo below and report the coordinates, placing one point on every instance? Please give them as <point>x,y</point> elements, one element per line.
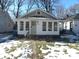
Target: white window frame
<point>44,26</point>
<point>49,26</point>
<point>55,26</point>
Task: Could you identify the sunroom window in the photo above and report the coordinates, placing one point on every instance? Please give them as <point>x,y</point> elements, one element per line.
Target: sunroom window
<point>49,26</point>
<point>27,25</point>
<point>21,25</point>
<point>44,26</point>
<point>55,26</point>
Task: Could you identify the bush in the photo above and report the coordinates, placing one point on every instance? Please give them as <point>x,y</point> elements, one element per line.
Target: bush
<point>65,39</point>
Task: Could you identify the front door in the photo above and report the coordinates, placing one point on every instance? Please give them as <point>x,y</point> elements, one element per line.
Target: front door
<point>33,27</point>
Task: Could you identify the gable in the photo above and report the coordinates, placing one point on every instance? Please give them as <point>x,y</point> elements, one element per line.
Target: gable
<point>39,13</point>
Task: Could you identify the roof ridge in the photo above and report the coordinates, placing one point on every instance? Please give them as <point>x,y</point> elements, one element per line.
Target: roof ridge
<point>41,11</point>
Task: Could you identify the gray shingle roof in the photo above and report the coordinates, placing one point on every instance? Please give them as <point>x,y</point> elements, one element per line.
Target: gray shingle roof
<point>42,15</point>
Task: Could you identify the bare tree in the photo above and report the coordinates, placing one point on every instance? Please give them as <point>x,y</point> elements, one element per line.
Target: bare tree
<point>5,4</point>
<point>48,5</point>
<point>17,7</point>
<point>29,5</point>
<point>73,10</point>
<point>60,11</point>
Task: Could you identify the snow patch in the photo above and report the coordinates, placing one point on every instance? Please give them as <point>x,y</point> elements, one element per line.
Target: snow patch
<point>60,52</point>
<point>21,52</point>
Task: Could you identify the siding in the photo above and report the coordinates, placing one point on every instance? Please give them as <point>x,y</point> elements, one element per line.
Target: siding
<point>6,24</point>
<point>39,26</point>
<point>76,26</point>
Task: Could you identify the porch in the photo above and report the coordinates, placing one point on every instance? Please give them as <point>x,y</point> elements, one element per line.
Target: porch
<point>26,27</point>
<point>66,26</point>
<point>37,26</point>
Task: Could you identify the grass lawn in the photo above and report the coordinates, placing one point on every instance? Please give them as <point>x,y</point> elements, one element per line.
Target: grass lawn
<point>36,49</point>
<point>16,49</point>
<point>55,50</point>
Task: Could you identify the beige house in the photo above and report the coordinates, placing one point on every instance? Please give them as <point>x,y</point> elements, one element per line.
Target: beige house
<point>6,23</point>
<point>38,22</point>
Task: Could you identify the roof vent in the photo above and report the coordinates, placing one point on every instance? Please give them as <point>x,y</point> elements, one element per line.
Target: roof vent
<point>38,12</point>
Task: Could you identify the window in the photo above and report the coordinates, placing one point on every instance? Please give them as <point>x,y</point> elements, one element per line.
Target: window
<point>55,26</point>
<point>27,25</point>
<point>38,12</point>
<point>49,26</point>
<point>21,25</point>
<point>44,26</point>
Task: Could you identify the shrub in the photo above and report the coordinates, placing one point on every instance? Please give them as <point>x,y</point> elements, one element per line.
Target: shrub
<point>65,39</point>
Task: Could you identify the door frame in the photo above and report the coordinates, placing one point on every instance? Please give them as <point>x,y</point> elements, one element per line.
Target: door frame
<point>33,27</point>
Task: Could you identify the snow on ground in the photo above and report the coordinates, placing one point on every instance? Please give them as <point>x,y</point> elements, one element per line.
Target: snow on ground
<point>60,52</point>
<point>15,50</point>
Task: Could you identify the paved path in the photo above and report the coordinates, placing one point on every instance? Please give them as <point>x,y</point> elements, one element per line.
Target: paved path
<point>5,37</point>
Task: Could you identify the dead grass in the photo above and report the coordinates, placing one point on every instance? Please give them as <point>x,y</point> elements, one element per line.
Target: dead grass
<point>74,46</point>
<point>8,58</point>
<point>40,44</point>
<point>13,48</point>
<point>56,51</point>
<point>51,44</point>
<point>47,53</point>
<point>65,51</point>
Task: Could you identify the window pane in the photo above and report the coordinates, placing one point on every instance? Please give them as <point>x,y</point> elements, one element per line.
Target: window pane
<point>21,25</point>
<point>49,26</point>
<point>44,26</point>
<point>27,25</point>
<point>55,26</point>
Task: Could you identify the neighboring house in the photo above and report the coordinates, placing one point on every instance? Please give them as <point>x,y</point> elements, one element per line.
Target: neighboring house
<point>68,23</point>
<point>38,22</point>
<point>72,23</point>
<point>6,23</point>
<point>76,24</point>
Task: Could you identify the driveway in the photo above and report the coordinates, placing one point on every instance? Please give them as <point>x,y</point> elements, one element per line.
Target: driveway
<point>5,37</point>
